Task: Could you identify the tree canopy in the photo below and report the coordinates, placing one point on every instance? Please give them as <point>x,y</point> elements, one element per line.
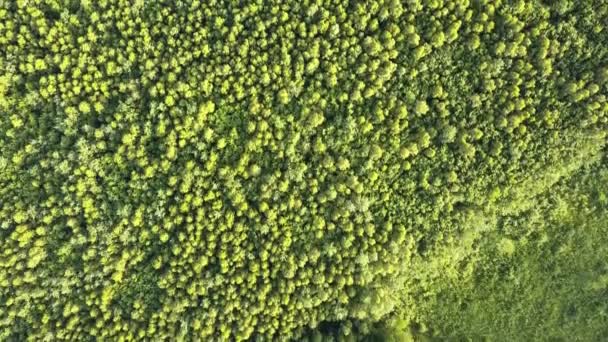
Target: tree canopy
<point>250,170</point>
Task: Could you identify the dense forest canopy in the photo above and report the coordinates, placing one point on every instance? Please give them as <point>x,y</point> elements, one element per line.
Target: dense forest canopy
<point>326,170</point>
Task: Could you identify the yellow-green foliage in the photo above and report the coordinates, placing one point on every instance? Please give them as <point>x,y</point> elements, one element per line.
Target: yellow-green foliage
<point>233,170</point>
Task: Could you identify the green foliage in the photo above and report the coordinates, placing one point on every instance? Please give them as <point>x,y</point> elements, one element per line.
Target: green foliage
<point>220,170</point>
<point>539,275</point>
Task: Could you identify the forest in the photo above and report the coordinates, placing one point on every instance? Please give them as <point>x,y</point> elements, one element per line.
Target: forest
<point>303,170</point>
